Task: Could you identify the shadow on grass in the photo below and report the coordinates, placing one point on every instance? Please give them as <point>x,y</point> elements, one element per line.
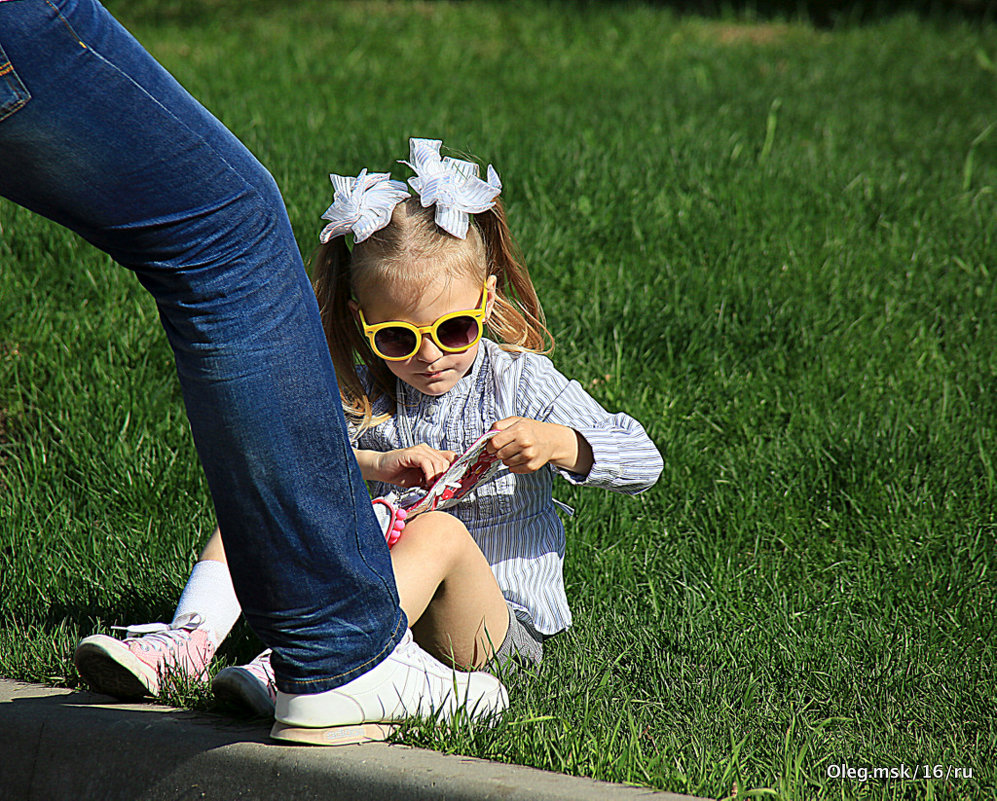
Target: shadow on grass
<point>134,605</point>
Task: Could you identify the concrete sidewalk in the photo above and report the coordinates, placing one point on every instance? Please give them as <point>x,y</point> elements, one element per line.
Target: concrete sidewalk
<point>61,745</point>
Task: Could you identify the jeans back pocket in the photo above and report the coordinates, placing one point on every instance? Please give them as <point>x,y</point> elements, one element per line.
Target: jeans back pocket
<point>13,95</point>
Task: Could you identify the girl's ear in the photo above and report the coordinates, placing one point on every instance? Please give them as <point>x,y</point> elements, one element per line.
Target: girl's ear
<point>354,310</point>
<point>490,284</point>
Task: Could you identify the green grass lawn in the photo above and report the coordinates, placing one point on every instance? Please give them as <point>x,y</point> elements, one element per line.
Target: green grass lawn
<point>771,243</point>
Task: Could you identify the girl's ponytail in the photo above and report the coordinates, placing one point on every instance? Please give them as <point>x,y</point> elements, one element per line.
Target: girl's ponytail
<point>517,318</point>
<point>331,274</point>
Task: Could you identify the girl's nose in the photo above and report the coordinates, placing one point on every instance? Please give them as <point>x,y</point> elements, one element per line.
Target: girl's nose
<point>428,352</point>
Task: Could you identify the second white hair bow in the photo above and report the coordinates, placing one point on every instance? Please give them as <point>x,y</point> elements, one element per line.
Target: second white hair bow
<point>453,185</point>
<point>361,205</point>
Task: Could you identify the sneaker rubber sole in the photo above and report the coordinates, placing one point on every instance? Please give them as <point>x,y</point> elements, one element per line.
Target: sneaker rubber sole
<point>332,735</point>
<point>111,672</point>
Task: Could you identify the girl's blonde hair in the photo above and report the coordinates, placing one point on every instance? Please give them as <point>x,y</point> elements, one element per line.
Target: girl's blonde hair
<point>413,248</point>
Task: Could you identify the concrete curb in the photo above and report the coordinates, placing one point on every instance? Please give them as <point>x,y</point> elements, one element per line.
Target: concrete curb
<point>75,746</point>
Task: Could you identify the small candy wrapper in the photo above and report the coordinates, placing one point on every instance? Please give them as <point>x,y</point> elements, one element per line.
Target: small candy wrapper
<point>475,466</point>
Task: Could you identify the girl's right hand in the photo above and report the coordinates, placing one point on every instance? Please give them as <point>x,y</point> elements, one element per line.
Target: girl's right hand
<point>418,466</point>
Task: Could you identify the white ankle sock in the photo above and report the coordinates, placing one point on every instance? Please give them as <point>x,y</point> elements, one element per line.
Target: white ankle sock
<point>210,594</point>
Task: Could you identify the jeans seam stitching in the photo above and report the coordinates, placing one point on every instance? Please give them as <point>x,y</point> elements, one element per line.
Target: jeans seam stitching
<point>68,25</point>
<point>6,111</point>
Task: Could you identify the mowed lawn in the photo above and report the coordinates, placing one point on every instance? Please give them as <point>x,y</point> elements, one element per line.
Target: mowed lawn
<point>771,242</point>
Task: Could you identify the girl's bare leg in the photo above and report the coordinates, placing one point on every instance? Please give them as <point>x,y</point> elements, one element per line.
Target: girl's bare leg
<point>448,591</point>
<point>214,551</point>
<point>446,587</point>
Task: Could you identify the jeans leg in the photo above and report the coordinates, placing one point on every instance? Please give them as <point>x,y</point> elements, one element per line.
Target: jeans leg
<point>111,146</point>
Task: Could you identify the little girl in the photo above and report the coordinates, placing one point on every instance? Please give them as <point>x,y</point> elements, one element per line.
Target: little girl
<point>404,306</point>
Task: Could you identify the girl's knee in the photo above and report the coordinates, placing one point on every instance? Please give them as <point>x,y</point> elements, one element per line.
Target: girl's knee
<point>439,530</point>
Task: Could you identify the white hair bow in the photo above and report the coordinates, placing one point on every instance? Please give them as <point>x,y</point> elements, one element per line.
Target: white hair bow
<point>453,185</point>
<point>362,205</point>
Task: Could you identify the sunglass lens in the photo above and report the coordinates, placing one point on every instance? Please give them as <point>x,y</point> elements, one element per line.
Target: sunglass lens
<point>458,332</point>
<point>395,342</point>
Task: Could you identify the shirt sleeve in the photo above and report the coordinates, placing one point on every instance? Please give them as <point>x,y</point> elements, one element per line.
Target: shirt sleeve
<point>624,457</point>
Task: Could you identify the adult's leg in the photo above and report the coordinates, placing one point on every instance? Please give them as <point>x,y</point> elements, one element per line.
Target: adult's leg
<point>111,146</point>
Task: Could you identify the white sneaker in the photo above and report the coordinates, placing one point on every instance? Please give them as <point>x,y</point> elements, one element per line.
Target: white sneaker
<point>408,683</point>
<point>250,686</point>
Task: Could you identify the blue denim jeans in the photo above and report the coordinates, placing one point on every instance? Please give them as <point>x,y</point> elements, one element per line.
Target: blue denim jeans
<point>97,136</point>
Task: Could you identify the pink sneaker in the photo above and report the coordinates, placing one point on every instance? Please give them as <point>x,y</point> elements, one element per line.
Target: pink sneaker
<point>250,686</point>
<point>137,665</point>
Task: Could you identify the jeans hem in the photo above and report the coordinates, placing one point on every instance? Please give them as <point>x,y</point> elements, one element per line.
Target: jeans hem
<point>312,686</point>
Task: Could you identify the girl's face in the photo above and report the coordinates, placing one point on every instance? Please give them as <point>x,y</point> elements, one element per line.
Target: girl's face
<point>430,370</point>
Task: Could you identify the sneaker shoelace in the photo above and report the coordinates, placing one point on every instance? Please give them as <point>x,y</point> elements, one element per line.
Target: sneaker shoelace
<point>261,670</point>
<point>414,655</point>
<point>260,667</point>
<point>163,636</point>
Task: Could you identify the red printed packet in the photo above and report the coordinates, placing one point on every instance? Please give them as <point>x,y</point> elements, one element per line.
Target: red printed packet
<point>474,466</point>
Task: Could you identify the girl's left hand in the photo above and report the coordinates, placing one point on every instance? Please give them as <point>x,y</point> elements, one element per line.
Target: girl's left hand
<point>524,445</point>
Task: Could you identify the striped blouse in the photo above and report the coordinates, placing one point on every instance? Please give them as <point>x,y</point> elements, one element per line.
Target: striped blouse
<point>513,517</point>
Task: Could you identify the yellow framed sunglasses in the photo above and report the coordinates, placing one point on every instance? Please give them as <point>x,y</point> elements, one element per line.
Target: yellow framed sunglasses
<point>457,331</point>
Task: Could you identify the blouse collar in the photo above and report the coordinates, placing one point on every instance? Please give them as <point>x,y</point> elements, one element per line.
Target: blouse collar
<point>460,389</point>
